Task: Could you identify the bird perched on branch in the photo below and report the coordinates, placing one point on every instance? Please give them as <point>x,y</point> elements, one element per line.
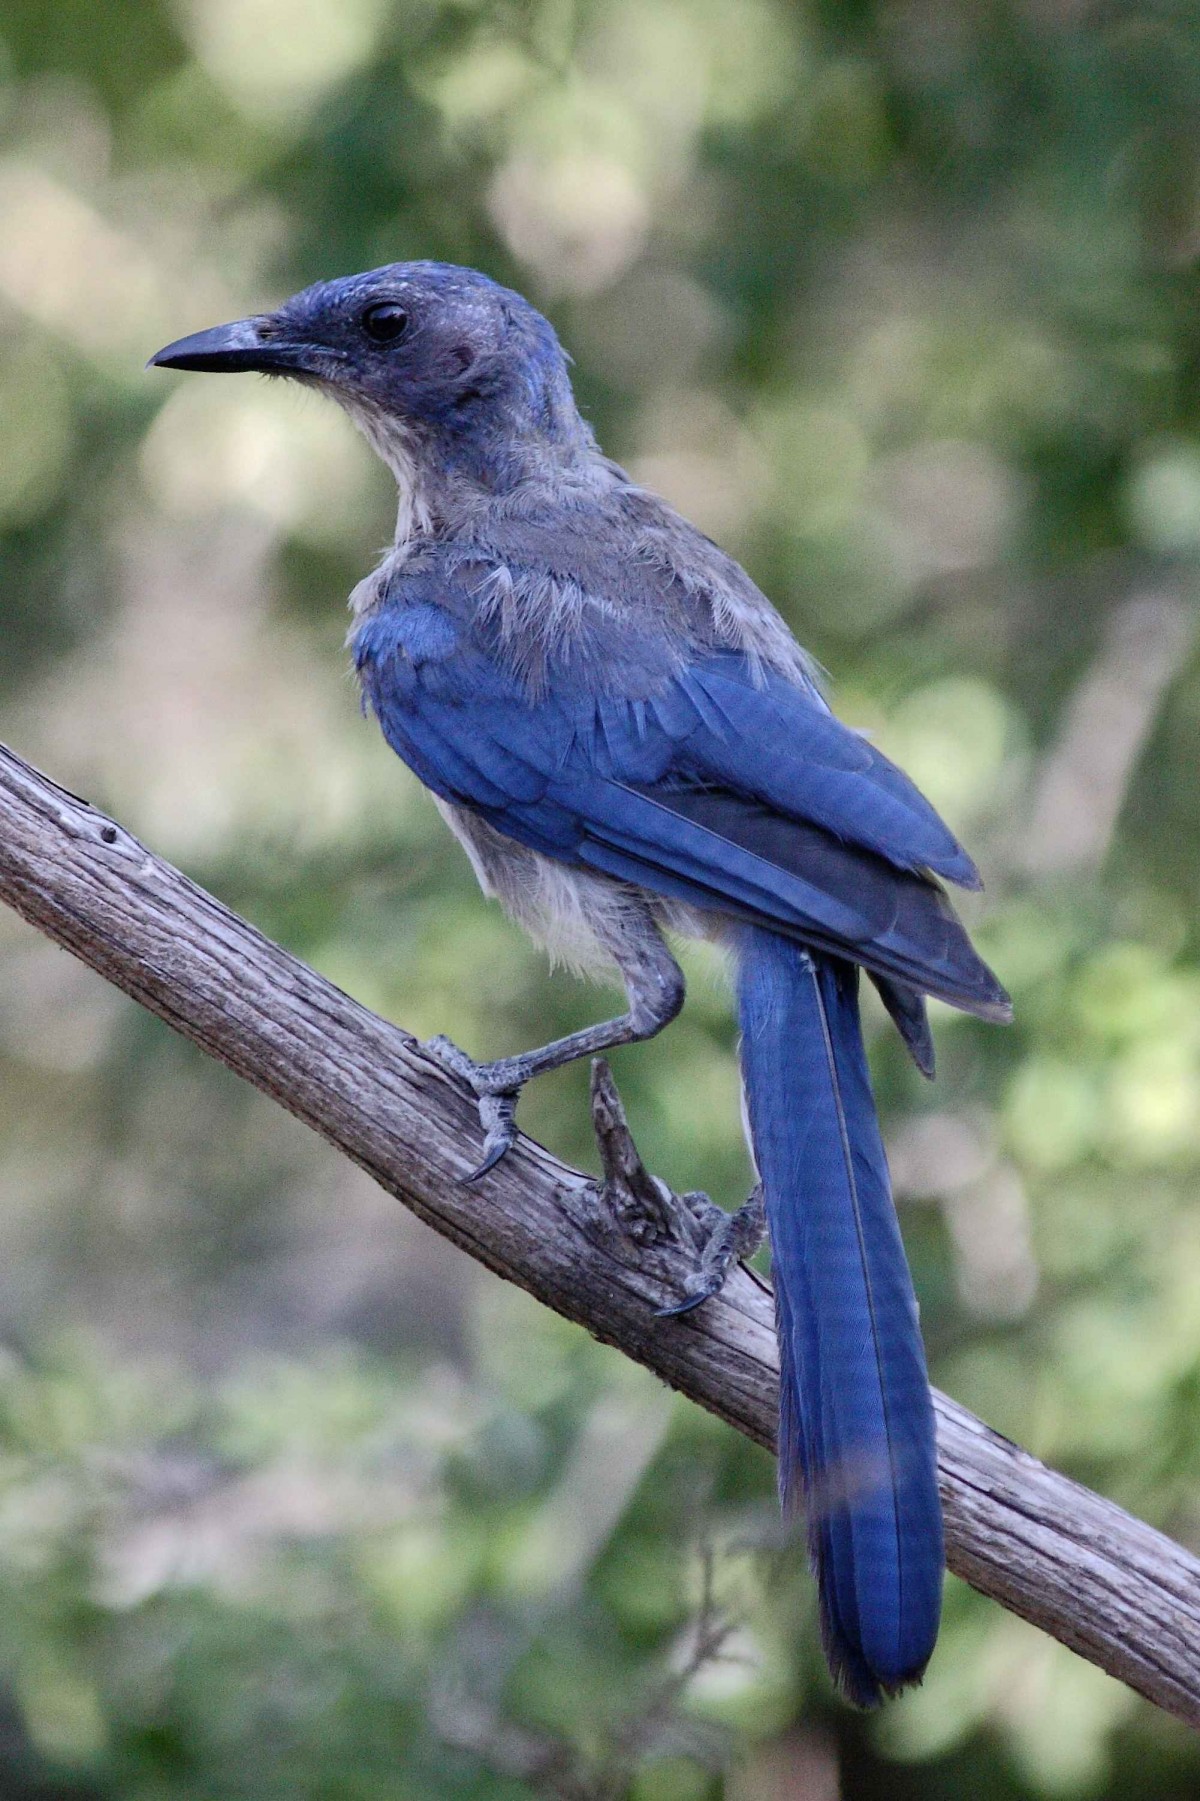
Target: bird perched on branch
<point>625,737</point>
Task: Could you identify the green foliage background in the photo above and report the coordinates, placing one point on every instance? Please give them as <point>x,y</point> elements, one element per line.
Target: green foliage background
<point>898,299</point>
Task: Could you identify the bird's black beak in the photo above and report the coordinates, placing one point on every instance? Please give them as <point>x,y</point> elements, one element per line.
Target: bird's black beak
<point>257,343</point>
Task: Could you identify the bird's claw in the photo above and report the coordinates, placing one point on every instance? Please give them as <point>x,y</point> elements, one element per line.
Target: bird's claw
<point>498,1117</point>
<point>696,1297</point>
<point>496,1092</point>
<point>715,1262</point>
<point>734,1238</point>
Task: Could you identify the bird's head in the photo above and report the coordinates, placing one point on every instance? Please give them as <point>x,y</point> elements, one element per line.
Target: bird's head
<point>436,353</point>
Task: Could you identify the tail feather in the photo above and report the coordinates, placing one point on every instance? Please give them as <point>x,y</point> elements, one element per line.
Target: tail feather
<point>856,1444</point>
<point>911,1019</point>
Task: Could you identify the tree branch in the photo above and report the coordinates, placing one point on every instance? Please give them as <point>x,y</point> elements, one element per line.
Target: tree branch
<point>1110,1587</point>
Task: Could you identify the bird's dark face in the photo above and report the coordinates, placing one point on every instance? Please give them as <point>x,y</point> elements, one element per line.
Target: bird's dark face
<point>419,343</point>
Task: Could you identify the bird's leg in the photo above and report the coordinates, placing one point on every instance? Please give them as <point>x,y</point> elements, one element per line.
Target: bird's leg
<point>655,987</point>
<point>648,1209</point>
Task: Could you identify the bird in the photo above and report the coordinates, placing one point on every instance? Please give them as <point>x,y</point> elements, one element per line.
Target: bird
<point>628,742</point>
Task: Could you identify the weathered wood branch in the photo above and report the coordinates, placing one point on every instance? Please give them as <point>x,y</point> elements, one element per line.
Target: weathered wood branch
<point>1107,1585</point>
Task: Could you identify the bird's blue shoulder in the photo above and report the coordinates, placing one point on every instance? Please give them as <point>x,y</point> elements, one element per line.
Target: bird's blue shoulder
<point>413,630</point>
<point>418,640</point>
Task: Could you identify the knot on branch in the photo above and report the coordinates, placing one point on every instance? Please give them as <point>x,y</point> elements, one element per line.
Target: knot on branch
<point>633,1215</point>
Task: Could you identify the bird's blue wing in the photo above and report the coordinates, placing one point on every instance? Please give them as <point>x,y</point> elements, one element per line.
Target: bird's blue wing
<point>766,738</point>
<point>746,799</point>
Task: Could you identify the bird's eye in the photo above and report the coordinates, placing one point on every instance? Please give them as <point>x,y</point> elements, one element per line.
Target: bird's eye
<point>384,322</point>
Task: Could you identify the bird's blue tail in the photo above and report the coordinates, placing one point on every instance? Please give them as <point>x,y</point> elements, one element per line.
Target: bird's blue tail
<point>856,1429</point>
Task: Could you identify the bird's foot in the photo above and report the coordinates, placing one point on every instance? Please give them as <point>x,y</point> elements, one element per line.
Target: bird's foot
<point>732,1238</point>
<point>651,1213</point>
<point>496,1087</point>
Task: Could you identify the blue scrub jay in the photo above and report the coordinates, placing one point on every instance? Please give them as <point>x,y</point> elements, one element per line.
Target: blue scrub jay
<point>625,737</point>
